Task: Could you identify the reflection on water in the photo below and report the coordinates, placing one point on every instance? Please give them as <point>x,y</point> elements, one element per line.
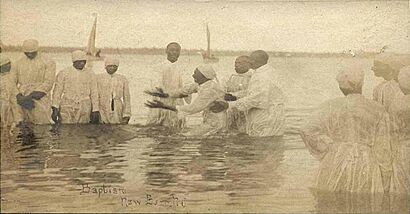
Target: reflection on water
<point>46,168</point>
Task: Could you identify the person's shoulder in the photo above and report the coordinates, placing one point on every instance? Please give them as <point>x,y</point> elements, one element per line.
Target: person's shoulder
<point>122,77</point>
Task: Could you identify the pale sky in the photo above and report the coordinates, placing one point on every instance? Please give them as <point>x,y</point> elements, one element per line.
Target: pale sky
<point>309,26</point>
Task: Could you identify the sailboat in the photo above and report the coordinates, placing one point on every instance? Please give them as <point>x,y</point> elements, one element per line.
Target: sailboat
<point>207,56</point>
<point>91,50</point>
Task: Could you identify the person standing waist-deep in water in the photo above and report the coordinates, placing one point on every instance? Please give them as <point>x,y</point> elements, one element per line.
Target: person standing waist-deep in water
<point>114,94</point>
<point>351,137</point>
<point>169,77</point>
<point>75,95</point>
<point>264,100</point>
<point>10,114</point>
<point>35,79</point>
<point>237,86</point>
<point>209,101</point>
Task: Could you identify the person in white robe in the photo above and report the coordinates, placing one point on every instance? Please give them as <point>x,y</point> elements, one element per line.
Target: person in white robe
<point>169,77</point>
<point>264,100</point>
<point>387,66</point>
<point>352,139</point>
<point>114,95</point>
<point>10,114</point>
<point>75,95</point>
<point>35,80</point>
<point>237,85</point>
<point>209,101</point>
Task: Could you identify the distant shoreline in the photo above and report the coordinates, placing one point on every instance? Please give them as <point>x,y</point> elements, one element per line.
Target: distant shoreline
<point>159,51</point>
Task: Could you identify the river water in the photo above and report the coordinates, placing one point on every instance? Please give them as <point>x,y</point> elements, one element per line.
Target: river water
<point>132,168</point>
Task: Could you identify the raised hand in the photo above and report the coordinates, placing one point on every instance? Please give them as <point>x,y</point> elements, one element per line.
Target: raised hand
<point>159,104</point>
<point>159,92</point>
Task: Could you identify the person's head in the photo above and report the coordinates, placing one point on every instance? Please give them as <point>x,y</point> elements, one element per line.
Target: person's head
<point>258,59</point>
<point>388,65</point>
<point>404,80</point>
<point>5,65</point>
<point>242,64</point>
<point>79,59</point>
<point>173,51</point>
<point>111,65</point>
<point>350,80</point>
<point>30,48</point>
<point>203,73</point>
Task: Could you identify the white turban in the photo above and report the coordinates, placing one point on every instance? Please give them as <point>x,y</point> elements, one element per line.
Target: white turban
<point>404,79</point>
<point>78,55</point>
<point>30,45</point>
<point>4,60</point>
<point>112,61</point>
<point>208,71</point>
<point>350,78</point>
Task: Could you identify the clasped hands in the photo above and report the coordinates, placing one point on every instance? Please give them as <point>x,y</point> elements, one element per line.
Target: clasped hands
<point>27,102</point>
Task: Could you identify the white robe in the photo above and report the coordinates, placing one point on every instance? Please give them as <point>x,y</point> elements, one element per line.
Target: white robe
<point>113,88</point>
<point>386,92</point>
<point>36,74</point>
<point>263,104</point>
<point>352,138</point>
<point>76,94</point>
<point>169,77</point>
<point>10,113</point>
<point>237,84</point>
<point>208,92</point>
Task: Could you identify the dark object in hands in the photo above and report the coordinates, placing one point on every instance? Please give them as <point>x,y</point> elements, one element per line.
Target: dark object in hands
<point>159,104</point>
<point>218,106</point>
<point>230,97</point>
<point>37,95</point>
<point>25,101</point>
<point>55,116</point>
<point>158,93</point>
<point>125,120</point>
<point>95,117</point>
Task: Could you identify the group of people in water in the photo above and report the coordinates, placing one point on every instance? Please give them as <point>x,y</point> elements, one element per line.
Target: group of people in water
<point>360,142</point>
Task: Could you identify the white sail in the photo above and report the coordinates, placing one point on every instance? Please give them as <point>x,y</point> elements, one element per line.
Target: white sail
<point>91,49</point>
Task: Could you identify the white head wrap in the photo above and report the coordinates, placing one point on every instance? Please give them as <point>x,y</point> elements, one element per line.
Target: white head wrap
<point>208,71</point>
<point>404,79</point>
<point>78,55</point>
<point>394,61</point>
<point>30,45</point>
<point>350,78</point>
<point>4,60</point>
<point>112,61</point>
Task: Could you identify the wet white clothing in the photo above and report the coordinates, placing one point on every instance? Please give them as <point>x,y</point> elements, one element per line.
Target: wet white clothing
<point>114,97</point>
<point>208,92</point>
<point>76,94</point>
<point>10,114</point>
<point>36,74</point>
<point>237,84</point>
<point>351,137</point>
<point>168,76</point>
<point>386,92</point>
<point>263,104</point>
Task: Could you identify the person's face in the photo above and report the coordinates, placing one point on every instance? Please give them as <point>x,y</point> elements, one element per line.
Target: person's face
<point>111,69</point>
<point>79,64</point>
<point>31,55</point>
<point>199,77</point>
<point>381,69</point>
<point>173,52</point>
<point>5,68</point>
<point>242,66</point>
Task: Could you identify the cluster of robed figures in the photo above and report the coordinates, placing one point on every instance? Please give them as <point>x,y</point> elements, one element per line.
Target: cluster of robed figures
<point>360,142</point>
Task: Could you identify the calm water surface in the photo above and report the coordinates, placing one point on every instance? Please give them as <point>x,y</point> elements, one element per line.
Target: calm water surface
<point>138,169</point>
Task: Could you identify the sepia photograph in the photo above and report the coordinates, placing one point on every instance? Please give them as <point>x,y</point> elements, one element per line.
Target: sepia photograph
<point>205,106</point>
